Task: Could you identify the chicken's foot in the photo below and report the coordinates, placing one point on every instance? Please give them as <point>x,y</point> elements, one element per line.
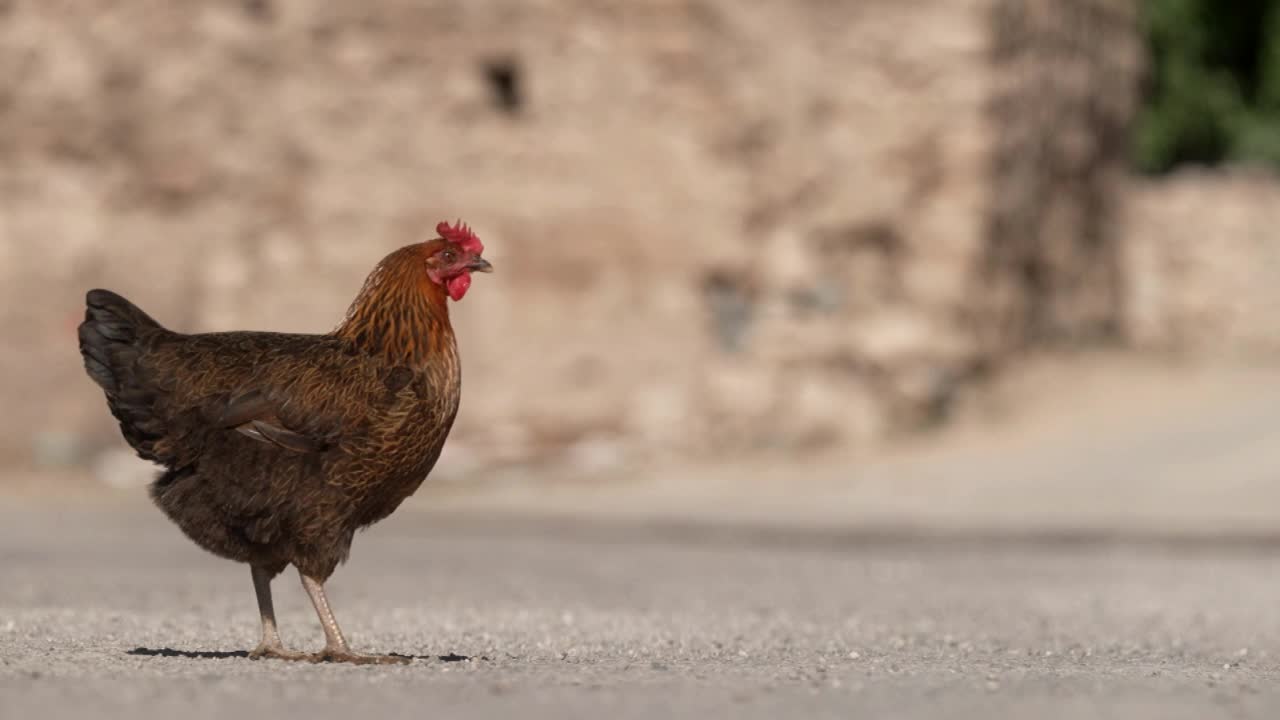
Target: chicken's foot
<point>335,645</point>
<point>270,646</point>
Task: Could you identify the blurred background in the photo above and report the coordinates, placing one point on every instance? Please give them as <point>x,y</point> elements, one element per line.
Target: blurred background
<point>968,260</point>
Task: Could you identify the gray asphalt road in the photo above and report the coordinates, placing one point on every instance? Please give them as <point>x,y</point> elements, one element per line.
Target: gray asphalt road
<point>111,613</point>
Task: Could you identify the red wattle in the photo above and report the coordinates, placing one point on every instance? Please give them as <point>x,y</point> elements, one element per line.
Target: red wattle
<point>458,285</point>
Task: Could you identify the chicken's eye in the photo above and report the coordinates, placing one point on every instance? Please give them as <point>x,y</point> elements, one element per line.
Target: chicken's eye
<point>448,256</point>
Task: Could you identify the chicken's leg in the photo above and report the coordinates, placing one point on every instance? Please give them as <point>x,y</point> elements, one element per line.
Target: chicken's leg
<point>270,647</point>
<point>335,645</point>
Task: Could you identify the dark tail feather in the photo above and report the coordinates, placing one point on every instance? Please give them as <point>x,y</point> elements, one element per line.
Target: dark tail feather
<point>105,306</point>
<point>110,345</point>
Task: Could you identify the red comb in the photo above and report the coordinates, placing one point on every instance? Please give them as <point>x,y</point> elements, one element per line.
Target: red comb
<point>461,236</point>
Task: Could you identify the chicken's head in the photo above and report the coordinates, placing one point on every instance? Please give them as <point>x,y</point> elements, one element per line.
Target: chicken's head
<point>453,257</point>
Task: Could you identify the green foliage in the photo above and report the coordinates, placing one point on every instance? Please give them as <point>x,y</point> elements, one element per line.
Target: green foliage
<point>1214,89</point>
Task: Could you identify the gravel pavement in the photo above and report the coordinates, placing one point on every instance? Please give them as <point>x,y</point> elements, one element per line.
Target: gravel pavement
<point>108,612</point>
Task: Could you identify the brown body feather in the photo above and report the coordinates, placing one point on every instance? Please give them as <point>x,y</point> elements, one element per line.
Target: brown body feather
<point>278,447</point>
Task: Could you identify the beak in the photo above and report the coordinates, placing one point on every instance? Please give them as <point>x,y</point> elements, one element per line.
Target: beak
<point>479,264</point>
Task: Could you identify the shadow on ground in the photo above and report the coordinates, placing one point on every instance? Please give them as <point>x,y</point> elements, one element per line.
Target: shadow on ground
<point>225,654</point>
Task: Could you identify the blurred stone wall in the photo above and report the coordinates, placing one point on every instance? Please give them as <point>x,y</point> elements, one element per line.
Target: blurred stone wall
<point>1204,264</point>
<point>1066,87</point>
<point>716,226</point>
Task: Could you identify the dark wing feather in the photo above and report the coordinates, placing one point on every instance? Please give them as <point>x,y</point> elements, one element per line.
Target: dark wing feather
<point>278,436</point>
<point>254,414</point>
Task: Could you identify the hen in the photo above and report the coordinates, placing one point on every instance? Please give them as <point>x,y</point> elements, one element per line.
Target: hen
<point>276,447</point>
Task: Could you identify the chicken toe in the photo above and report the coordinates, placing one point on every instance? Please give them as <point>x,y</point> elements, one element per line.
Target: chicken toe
<point>355,658</point>
<point>265,651</point>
